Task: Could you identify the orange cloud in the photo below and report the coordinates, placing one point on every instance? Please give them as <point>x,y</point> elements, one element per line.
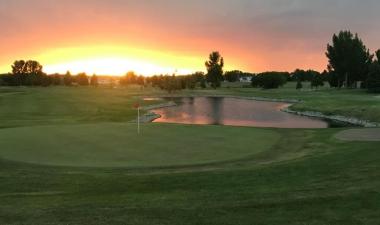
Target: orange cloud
<point>177,34</point>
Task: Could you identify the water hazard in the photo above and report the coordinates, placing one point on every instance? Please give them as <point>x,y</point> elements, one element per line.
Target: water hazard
<point>235,112</point>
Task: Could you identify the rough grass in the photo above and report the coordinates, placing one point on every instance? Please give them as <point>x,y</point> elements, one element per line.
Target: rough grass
<point>359,135</point>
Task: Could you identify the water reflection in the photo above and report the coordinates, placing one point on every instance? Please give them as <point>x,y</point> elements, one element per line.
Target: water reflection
<point>237,112</point>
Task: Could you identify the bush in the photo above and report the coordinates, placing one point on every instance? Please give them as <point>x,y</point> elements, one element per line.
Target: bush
<point>317,81</point>
<point>94,81</point>
<point>233,76</point>
<point>299,85</point>
<point>68,79</point>
<point>82,79</point>
<point>203,83</point>
<point>303,75</point>
<point>270,80</point>
<point>333,79</point>
<point>2,82</point>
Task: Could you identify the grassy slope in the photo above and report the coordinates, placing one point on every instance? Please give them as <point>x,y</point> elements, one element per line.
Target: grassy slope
<point>62,105</point>
<point>307,177</point>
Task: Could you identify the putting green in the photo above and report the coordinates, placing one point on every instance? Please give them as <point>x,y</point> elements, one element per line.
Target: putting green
<point>118,145</point>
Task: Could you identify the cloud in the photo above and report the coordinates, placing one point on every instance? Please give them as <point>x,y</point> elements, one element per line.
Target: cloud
<point>265,31</point>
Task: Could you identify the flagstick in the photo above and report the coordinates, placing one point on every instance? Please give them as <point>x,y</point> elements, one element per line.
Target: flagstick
<point>138,120</point>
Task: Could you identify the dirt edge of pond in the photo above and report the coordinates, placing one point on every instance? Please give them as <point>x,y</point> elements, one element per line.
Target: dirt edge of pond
<point>151,116</point>
<point>338,118</point>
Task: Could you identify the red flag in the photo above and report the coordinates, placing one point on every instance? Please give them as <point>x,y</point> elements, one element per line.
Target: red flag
<point>136,105</point>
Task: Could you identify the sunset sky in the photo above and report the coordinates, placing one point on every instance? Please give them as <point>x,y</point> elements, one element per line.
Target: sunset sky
<point>166,36</point>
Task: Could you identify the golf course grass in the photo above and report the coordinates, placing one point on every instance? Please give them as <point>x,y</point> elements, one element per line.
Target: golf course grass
<point>70,156</point>
<point>119,145</point>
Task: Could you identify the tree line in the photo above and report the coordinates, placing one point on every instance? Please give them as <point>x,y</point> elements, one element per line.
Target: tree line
<point>30,73</point>
<point>350,65</point>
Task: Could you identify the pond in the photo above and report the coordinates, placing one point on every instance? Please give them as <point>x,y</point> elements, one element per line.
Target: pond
<point>235,112</point>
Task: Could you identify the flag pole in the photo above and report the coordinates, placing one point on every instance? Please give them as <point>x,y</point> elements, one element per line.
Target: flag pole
<point>138,120</point>
<point>137,106</point>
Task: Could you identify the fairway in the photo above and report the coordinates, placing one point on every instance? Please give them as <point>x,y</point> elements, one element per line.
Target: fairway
<point>119,145</point>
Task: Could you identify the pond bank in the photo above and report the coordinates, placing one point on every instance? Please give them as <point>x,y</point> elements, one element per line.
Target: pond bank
<point>151,116</point>
<point>338,118</point>
<point>293,101</point>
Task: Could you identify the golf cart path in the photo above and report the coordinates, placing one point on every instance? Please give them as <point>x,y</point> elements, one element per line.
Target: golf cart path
<point>371,134</point>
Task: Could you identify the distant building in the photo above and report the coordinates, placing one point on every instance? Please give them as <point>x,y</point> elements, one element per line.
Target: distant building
<point>107,81</point>
<point>245,79</point>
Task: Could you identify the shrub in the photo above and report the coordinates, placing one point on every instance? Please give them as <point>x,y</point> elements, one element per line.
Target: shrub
<point>82,79</point>
<point>270,80</point>
<point>317,81</point>
<point>299,85</point>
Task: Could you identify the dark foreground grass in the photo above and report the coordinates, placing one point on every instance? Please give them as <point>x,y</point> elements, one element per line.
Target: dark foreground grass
<point>306,178</point>
<point>302,177</point>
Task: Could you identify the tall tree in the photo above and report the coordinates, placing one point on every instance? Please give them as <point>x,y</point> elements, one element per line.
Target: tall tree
<point>19,67</point>
<point>28,72</point>
<point>373,81</point>
<point>349,59</point>
<point>214,67</point>
<point>33,67</point>
<point>378,56</point>
<point>129,78</point>
<point>26,67</point>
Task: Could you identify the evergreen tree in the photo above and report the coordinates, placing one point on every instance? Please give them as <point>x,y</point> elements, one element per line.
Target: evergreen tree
<point>373,82</point>
<point>349,59</point>
<point>214,67</point>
